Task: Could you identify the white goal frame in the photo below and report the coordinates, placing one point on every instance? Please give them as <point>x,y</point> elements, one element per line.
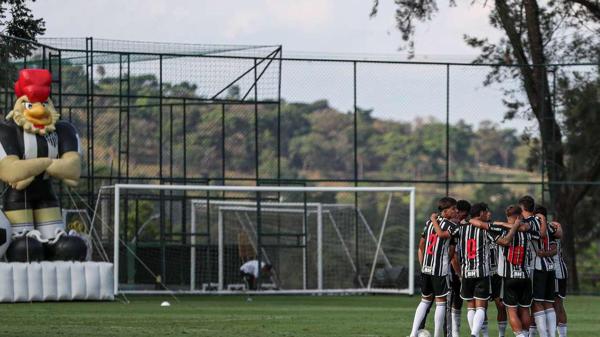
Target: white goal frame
<point>118,188</point>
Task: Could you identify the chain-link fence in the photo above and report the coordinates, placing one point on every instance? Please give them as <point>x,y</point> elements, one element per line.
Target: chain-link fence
<point>213,114</point>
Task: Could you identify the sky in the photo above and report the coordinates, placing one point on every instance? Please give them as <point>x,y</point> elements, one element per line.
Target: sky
<point>317,26</point>
<point>340,28</point>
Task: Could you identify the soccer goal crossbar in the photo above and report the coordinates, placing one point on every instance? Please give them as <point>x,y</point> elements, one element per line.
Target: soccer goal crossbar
<point>335,240</point>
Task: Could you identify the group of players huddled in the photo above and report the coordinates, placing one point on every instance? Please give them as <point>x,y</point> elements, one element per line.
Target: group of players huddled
<point>517,263</point>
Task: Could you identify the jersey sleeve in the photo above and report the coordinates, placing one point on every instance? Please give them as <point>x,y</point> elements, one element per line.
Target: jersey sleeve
<point>9,141</point>
<point>68,138</point>
<point>534,229</point>
<point>424,232</point>
<point>551,229</point>
<point>451,227</point>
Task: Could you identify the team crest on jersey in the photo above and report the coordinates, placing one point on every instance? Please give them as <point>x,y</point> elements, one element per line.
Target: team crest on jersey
<point>52,138</point>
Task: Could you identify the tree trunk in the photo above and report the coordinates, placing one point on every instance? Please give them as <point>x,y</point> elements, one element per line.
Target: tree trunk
<point>567,219</point>
<point>551,136</point>
<point>535,82</point>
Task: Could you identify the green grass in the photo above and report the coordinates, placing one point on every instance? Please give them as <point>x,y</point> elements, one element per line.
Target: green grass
<point>234,316</point>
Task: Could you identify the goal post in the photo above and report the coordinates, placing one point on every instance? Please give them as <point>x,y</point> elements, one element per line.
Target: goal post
<point>318,239</point>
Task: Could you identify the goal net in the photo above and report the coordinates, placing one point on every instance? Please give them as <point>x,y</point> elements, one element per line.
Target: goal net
<point>194,239</point>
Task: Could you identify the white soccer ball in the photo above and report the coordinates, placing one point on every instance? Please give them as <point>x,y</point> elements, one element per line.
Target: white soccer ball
<point>165,304</point>
<point>423,333</point>
<point>5,234</point>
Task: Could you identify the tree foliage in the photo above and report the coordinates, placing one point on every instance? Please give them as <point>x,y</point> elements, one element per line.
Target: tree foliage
<point>536,35</point>
<point>17,20</point>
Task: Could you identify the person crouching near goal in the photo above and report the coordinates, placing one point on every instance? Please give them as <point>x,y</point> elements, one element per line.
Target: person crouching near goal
<point>434,259</point>
<point>250,272</point>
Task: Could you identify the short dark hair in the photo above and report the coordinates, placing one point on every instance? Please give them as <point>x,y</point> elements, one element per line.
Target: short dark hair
<point>477,208</point>
<point>268,266</point>
<point>513,210</point>
<point>527,203</point>
<point>539,209</point>
<point>463,206</point>
<point>445,203</point>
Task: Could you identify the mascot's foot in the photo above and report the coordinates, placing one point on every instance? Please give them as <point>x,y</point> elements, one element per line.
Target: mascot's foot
<point>66,248</point>
<point>25,249</point>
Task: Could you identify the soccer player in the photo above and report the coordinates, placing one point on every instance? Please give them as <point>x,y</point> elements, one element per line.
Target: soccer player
<point>434,258</point>
<point>495,285</point>
<point>250,272</point>
<point>560,270</point>
<point>496,289</point>
<point>543,270</point>
<point>463,208</point>
<point>475,267</point>
<point>453,311</point>
<point>513,268</point>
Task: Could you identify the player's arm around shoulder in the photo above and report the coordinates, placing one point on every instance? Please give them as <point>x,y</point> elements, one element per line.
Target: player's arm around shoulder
<point>557,230</point>
<point>446,231</point>
<point>506,239</point>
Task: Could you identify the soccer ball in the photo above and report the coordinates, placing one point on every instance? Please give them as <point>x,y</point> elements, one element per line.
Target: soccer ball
<point>423,333</point>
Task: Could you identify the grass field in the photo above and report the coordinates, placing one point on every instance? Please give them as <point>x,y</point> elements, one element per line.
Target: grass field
<point>234,316</point>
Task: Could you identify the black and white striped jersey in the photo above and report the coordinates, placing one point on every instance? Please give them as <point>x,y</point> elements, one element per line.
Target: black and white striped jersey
<point>435,256</point>
<point>493,258</point>
<point>454,241</point>
<point>474,251</point>
<point>15,141</point>
<point>560,267</point>
<point>537,244</point>
<point>512,259</point>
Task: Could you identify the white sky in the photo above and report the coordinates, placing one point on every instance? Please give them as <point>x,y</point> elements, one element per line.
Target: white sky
<point>307,27</point>
<point>323,26</point>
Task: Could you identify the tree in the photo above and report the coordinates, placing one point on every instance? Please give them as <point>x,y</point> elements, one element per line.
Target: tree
<point>534,35</point>
<point>17,20</point>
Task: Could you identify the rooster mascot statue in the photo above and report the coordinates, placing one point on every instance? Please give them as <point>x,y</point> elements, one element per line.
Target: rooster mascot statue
<point>35,148</point>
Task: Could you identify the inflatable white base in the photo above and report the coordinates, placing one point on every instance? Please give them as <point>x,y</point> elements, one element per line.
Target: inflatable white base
<point>56,281</point>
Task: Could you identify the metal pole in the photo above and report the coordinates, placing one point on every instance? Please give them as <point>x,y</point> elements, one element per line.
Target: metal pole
<point>91,160</point>
<point>171,168</point>
<point>184,130</point>
<point>256,153</point>
<point>319,246</point>
<point>128,120</point>
<point>257,177</point>
<point>355,158</point>
<point>279,119</point>
<point>447,129</point>
<point>223,144</point>
<point>381,231</point>
<point>221,250</point>
<point>193,248</point>
<point>304,252</point>
<point>411,243</point>
<point>163,250</point>
<point>60,82</point>
<point>116,242</point>
<point>119,141</point>
<point>184,203</point>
